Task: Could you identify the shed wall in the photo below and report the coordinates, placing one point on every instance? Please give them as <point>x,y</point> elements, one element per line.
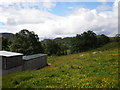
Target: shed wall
<point>35,63</point>
<point>17,64</point>
<point>10,62</point>
<point>12,70</point>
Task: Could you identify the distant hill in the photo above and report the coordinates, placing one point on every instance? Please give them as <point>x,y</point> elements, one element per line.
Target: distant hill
<point>7,35</point>
<point>66,40</point>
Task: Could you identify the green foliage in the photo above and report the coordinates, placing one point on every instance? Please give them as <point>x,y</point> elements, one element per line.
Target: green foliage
<point>84,42</point>
<point>5,43</point>
<point>65,41</point>
<point>117,38</point>
<point>51,47</point>
<point>102,39</point>
<point>26,42</point>
<point>74,71</point>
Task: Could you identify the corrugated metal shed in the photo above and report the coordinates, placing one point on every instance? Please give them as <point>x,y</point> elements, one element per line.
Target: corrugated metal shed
<point>15,62</point>
<point>10,59</point>
<point>9,54</point>
<point>35,61</point>
<point>11,62</point>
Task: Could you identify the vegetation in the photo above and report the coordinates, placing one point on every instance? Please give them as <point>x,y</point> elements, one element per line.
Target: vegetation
<point>84,42</point>
<point>96,68</point>
<point>52,47</point>
<point>117,38</point>
<point>5,43</point>
<point>26,42</point>
<point>65,41</point>
<point>102,39</point>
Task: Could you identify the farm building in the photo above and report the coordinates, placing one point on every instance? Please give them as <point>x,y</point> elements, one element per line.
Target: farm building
<point>35,61</point>
<point>11,62</point>
<point>16,62</point>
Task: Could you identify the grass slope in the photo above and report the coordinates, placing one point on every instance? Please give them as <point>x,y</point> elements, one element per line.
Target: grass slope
<point>82,70</point>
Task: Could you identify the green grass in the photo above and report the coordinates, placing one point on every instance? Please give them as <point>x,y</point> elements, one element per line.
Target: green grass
<point>82,70</point>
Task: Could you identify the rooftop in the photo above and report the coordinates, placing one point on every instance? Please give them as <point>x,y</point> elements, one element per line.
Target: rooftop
<point>9,54</point>
<point>33,56</point>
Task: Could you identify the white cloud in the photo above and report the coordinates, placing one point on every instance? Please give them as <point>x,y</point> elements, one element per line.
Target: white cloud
<point>103,0</point>
<point>70,7</point>
<point>103,7</point>
<point>46,4</point>
<point>47,25</point>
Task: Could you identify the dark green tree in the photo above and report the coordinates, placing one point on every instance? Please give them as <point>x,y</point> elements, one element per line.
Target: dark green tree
<point>89,39</point>
<point>26,42</point>
<point>83,42</point>
<point>63,49</point>
<point>76,44</point>
<point>51,47</point>
<point>102,39</point>
<point>117,38</point>
<point>5,43</point>
<point>54,47</point>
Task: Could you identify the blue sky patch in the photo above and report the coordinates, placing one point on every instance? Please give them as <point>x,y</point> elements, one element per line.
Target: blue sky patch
<point>2,24</point>
<point>63,8</point>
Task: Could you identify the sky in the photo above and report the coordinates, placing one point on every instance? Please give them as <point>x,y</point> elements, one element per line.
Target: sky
<point>52,18</point>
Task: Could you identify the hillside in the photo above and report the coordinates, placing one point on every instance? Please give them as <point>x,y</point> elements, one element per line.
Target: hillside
<point>7,35</point>
<point>93,69</point>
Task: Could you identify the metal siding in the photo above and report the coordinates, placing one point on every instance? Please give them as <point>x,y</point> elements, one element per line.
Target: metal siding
<point>12,62</point>
<point>12,70</point>
<point>16,63</point>
<point>4,65</point>
<point>35,63</point>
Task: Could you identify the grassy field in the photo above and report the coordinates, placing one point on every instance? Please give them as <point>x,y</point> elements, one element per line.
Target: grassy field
<point>93,69</point>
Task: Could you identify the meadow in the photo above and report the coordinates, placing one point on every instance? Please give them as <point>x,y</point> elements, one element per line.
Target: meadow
<point>96,68</point>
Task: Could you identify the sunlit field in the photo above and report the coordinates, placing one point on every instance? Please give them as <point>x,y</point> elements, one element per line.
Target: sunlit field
<point>92,69</point>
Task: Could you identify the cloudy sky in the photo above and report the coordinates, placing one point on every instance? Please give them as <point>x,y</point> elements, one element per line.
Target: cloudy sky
<point>53,18</point>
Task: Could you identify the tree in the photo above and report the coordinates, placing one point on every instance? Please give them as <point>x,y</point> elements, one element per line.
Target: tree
<point>117,38</point>
<point>63,49</point>
<point>26,42</point>
<point>5,43</point>
<point>51,47</point>
<point>102,39</point>
<point>83,42</point>
<point>77,45</point>
<point>89,39</point>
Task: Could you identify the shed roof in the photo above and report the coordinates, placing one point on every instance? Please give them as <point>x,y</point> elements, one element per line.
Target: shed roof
<point>33,56</point>
<point>9,54</point>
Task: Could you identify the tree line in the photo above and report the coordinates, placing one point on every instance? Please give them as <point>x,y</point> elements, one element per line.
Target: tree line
<point>27,42</point>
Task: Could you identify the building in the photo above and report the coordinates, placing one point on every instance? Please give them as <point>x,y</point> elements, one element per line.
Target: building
<point>11,62</point>
<point>35,61</point>
<point>16,62</point>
